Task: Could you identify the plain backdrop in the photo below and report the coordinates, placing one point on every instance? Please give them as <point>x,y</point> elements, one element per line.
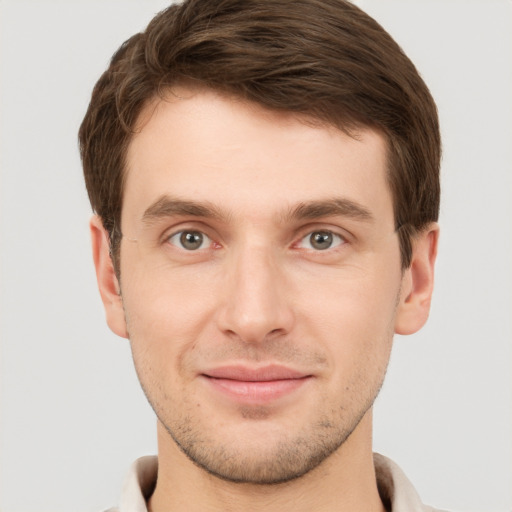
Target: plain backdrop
<point>72,415</point>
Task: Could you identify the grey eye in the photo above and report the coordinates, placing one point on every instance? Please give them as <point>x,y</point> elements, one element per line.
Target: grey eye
<point>321,240</point>
<point>190,240</point>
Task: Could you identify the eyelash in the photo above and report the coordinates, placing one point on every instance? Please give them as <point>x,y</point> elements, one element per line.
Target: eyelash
<point>336,238</point>
<point>179,235</point>
<point>323,233</point>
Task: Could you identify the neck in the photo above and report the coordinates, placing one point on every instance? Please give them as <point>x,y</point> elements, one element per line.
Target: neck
<point>344,481</point>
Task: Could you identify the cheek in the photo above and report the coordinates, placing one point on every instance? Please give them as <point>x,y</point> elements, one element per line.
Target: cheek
<point>354,318</point>
<point>166,311</point>
<point>156,293</point>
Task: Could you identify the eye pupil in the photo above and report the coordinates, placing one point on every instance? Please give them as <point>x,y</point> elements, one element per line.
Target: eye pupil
<point>321,240</point>
<point>191,240</point>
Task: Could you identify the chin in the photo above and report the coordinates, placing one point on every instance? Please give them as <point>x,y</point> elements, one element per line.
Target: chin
<point>263,455</point>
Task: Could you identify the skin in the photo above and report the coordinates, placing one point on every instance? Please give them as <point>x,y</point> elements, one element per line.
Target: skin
<point>257,292</point>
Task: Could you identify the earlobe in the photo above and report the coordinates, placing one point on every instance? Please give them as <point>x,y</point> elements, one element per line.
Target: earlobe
<point>418,282</point>
<point>108,283</point>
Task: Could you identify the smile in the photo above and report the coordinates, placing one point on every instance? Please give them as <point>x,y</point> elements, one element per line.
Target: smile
<point>255,386</point>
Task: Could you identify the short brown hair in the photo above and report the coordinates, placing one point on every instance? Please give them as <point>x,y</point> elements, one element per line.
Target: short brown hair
<point>323,58</point>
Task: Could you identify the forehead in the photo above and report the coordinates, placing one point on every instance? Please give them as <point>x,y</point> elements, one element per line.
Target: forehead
<point>201,145</point>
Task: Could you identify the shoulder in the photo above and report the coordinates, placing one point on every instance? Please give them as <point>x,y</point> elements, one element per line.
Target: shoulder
<point>138,485</point>
<point>395,489</point>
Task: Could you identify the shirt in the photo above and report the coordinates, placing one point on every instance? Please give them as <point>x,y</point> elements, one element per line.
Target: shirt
<point>396,491</point>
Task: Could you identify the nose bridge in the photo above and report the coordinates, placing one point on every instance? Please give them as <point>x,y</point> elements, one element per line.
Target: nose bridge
<point>256,303</point>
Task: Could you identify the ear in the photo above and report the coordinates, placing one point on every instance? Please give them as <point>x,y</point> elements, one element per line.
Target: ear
<point>418,282</point>
<point>108,283</point>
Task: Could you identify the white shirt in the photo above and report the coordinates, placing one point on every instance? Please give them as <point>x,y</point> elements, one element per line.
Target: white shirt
<point>394,486</point>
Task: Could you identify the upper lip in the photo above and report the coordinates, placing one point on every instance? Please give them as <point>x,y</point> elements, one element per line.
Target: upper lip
<point>262,374</point>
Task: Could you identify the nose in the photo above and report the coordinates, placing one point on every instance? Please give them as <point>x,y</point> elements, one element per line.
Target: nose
<point>257,300</point>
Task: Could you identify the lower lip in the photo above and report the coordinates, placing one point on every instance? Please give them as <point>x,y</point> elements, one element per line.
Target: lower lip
<point>256,392</point>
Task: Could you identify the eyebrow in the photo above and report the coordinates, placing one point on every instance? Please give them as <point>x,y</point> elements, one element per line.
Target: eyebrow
<point>338,206</point>
<point>167,206</point>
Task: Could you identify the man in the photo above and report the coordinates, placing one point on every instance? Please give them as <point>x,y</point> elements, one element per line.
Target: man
<point>265,178</point>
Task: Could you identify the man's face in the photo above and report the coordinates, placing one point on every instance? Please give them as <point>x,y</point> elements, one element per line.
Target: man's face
<point>260,280</point>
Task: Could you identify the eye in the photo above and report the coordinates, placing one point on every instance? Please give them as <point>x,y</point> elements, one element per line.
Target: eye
<point>190,240</point>
<point>321,240</point>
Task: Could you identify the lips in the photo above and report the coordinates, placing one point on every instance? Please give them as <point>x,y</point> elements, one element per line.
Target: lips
<point>255,385</point>
<point>264,374</point>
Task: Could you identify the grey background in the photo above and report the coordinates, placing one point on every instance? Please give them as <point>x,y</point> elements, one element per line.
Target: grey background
<point>72,415</point>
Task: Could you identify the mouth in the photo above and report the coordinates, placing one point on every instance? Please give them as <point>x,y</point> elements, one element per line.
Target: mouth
<point>255,385</point>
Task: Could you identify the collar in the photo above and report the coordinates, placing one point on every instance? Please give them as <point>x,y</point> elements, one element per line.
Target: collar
<point>396,491</point>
